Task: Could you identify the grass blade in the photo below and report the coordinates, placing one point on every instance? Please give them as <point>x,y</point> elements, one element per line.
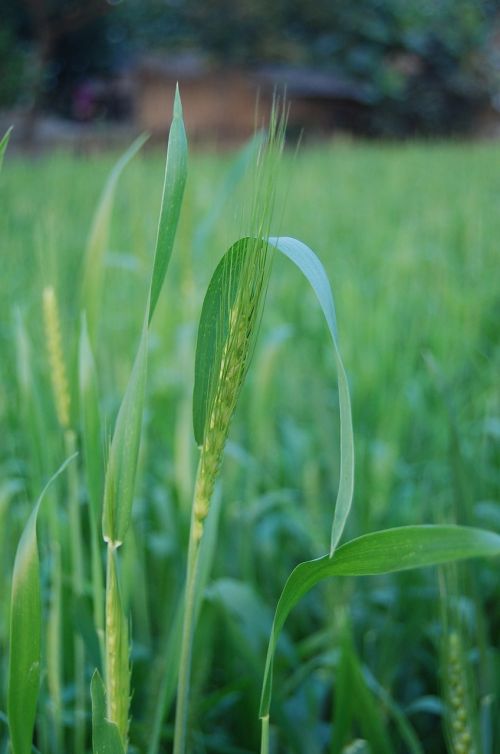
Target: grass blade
<point>386,551</point>
<point>173,191</point>
<point>25,632</point>
<point>121,470</point>
<point>309,264</point>
<point>3,145</point>
<point>93,271</point>
<point>105,735</point>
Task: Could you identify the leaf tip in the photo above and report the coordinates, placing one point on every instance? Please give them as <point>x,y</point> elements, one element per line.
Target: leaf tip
<point>177,102</point>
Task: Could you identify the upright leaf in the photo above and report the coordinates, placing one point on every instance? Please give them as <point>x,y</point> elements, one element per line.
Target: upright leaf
<point>25,633</point>
<point>381,552</point>
<point>173,191</point>
<point>105,735</point>
<point>93,271</point>
<point>309,264</point>
<point>121,470</point>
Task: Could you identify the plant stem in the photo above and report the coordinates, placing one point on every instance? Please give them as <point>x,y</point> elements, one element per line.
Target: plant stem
<point>264,740</point>
<point>188,626</point>
<point>77,588</point>
<point>117,650</point>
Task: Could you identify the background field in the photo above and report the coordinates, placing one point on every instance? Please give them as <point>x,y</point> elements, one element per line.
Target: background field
<point>409,236</point>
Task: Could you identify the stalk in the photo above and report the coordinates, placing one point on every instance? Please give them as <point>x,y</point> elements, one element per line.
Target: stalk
<point>54,643</point>
<point>264,741</point>
<point>199,511</point>
<point>62,400</point>
<point>116,650</point>
<point>77,589</point>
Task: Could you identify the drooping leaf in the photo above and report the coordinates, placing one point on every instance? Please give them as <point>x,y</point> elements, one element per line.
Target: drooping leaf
<point>25,633</point>
<point>119,483</point>
<point>173,191</point>
<point>213,331</point>
<point>93,271</point>
<point>309,264</point>
<point>381,552</point>
<point>105,735</point>
<point>3,145</point>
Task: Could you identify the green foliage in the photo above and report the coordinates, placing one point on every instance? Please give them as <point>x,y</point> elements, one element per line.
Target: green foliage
<point>121,469</point>
<point>213,332</point>
<point>381,552</point>
<point>173,191</point>
<point>313,270</point>
<point>25,632</point>
<point>406,263</point>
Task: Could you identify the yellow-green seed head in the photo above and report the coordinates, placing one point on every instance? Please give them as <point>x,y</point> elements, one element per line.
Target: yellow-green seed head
<point>56,358</point>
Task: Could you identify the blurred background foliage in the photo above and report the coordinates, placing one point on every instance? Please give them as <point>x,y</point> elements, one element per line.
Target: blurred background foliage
<point>427,67</point>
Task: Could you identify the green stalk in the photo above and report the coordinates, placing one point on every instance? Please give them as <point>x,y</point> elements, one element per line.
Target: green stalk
<point>264,741</point>
<point>77,589</point>
<point>54,643</point>
<point>116,651</point>
<point>189,620</point>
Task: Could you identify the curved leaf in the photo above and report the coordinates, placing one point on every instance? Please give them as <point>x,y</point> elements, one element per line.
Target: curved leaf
<point>25,632</point>
<point>105,735</point>
<point>309,264</point>
<point>381,552</point>
<point>173,191</point>
<point>213,330</point>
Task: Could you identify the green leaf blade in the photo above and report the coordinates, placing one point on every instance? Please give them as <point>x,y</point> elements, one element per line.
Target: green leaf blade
<point>382,552</point>
<point>173,192</point>
<point>311,267</point>
<point>25,633</point>
<point>119,482</point>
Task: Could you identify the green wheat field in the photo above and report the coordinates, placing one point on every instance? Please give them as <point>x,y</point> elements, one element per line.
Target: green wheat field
<point>395,663</point>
